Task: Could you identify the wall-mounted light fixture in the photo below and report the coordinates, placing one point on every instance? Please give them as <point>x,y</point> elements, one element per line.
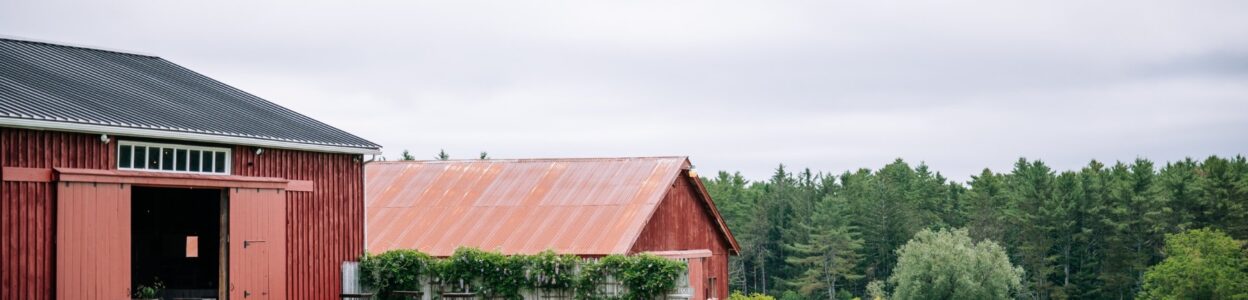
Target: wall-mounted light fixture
<point>259,151</point>
<point>104,138</point>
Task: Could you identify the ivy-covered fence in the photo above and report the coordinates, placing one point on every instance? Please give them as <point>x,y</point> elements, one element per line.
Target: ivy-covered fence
<point>472,273</point>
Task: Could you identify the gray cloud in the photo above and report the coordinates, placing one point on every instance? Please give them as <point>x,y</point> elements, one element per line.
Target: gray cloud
<point>830,85</point>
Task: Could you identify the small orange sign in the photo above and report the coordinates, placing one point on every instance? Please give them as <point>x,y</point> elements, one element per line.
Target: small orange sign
<point>192,246</point>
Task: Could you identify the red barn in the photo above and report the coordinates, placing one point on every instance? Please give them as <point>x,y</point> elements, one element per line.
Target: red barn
<point>588,207</point>
<point>122,169</point>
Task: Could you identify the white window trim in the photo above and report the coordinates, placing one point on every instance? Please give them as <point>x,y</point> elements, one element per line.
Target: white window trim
<point>229,157</point>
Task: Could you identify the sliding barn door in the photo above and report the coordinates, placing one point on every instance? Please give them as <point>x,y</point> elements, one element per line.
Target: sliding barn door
<point>93,240</point>
<point>257,244</point>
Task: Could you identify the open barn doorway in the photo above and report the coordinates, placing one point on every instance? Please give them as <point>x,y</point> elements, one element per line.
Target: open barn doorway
<point>176,240</point>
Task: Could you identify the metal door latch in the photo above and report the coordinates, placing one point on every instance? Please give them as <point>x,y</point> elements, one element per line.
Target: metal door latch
<point>247,243</point>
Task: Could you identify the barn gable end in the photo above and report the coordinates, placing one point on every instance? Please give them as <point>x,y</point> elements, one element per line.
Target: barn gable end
<point>685,220</point>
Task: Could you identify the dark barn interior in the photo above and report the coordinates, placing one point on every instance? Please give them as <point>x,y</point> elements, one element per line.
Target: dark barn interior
<point>176,236</point>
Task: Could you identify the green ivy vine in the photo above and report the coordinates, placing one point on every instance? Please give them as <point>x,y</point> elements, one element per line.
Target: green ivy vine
<point>397,270</point>
<point>552,272</point>
<point>497,276</point>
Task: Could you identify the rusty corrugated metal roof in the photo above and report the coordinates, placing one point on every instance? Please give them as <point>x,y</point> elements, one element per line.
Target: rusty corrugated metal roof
<point>594,206</point>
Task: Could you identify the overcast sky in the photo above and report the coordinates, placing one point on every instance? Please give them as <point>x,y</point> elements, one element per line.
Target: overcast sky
<point>739,86</point>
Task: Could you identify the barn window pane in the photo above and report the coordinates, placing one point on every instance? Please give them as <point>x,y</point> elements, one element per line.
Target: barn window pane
<point>140,157</point>
<point>181,160</point>
<point>220,161</point>
<point>166,159</point>
<point>207,161</point>
<point>124,156</point>
<point>194,160</point>
<point>153,158</point>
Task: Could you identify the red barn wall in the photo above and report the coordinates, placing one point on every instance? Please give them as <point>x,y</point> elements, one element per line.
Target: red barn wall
<point>684,222</point>
<point>28,208</point>
<point>324,227</point>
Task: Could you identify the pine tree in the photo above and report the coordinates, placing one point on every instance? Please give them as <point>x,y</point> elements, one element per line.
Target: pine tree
<point>1069,234</point>
<point>1091,245</point>
<point>1223,188</point>
<point>831,252</point>
<point>1032,222</point>
<point>984,206</point>
<point>736,203</point>
<point>1138,218</point>
<point>930,196</point>
<point>1177,182</point>
<point>883,214</point>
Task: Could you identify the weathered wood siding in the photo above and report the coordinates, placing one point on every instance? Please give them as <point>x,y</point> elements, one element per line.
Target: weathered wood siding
<point>683,222</point>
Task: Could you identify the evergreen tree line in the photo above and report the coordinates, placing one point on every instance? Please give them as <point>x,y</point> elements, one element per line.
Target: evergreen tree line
<point>1085,234</point>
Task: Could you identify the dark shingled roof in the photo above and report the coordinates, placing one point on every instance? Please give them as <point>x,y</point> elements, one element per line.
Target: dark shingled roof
<point>60,83</point>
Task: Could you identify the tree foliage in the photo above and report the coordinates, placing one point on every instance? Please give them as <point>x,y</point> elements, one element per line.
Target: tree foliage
<point>397,270</point>
<point>830,255</point>
<point>947,264</point>
<point>1199,264</point>
<point>1088,233</point>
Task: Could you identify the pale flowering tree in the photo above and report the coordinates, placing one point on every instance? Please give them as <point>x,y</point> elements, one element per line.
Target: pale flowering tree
<point>947,264</point>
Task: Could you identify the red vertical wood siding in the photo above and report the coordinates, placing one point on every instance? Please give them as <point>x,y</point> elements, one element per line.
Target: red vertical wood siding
<point>258,269</point>
<point>93,241</point>
<point>697,275</point>
<point>683,222</point>
<point>324,227</point>
<point>28,209</point>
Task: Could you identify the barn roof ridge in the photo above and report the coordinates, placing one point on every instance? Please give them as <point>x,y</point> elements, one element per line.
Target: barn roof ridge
<point>75,46</point>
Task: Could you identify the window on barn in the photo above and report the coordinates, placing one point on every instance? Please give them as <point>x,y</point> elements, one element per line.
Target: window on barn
<point>172,158</point>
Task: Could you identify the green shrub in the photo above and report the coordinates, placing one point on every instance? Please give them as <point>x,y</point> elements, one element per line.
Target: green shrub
<point>149,291</point>
<point>497,276</point>
<point>645,276</point>
<point>790,295</point>
<point>648,276</point>
<point>737,295</point>
<point>502,276</point>
<point>396,270</point>
<point>550,271</point>
<point>462,269</point>
<point>594,273</point>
